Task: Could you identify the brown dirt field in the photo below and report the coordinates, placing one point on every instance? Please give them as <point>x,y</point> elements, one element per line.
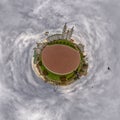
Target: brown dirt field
<point>60,59</point>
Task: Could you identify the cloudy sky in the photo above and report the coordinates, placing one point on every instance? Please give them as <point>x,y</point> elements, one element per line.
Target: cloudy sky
<point>24,96</point>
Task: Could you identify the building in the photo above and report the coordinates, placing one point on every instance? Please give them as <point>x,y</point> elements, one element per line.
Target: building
<point>66,34</point>
<point>64,31</point>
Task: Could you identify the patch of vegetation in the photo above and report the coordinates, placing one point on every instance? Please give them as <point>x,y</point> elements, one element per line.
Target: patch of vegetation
<point>63,42</point>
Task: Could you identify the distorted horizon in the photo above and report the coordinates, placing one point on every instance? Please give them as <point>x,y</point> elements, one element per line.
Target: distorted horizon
<point>24,96</point>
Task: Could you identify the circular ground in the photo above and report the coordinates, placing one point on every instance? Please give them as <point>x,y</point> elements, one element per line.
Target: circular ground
<point>60,59</point>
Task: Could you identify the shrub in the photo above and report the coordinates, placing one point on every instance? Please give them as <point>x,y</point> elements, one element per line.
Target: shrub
<point>63,78</point>
<point>45,72</point>
<point>40,63</point>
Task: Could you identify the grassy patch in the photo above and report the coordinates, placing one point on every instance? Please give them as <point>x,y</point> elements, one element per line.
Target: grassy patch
<point>63,42</point>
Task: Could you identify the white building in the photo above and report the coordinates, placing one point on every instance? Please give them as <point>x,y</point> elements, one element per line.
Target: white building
<point>66,34</point>
<point>64,31</point>
<point>55,37</point>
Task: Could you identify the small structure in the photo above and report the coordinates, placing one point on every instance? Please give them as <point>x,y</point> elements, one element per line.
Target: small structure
<point>46,33</point>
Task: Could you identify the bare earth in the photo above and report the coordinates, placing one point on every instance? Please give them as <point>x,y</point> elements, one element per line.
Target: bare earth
<point>60,59</point>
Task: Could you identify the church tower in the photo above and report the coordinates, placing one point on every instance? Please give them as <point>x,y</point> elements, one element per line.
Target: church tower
<point>64,31</point>
<point>70,33</point>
